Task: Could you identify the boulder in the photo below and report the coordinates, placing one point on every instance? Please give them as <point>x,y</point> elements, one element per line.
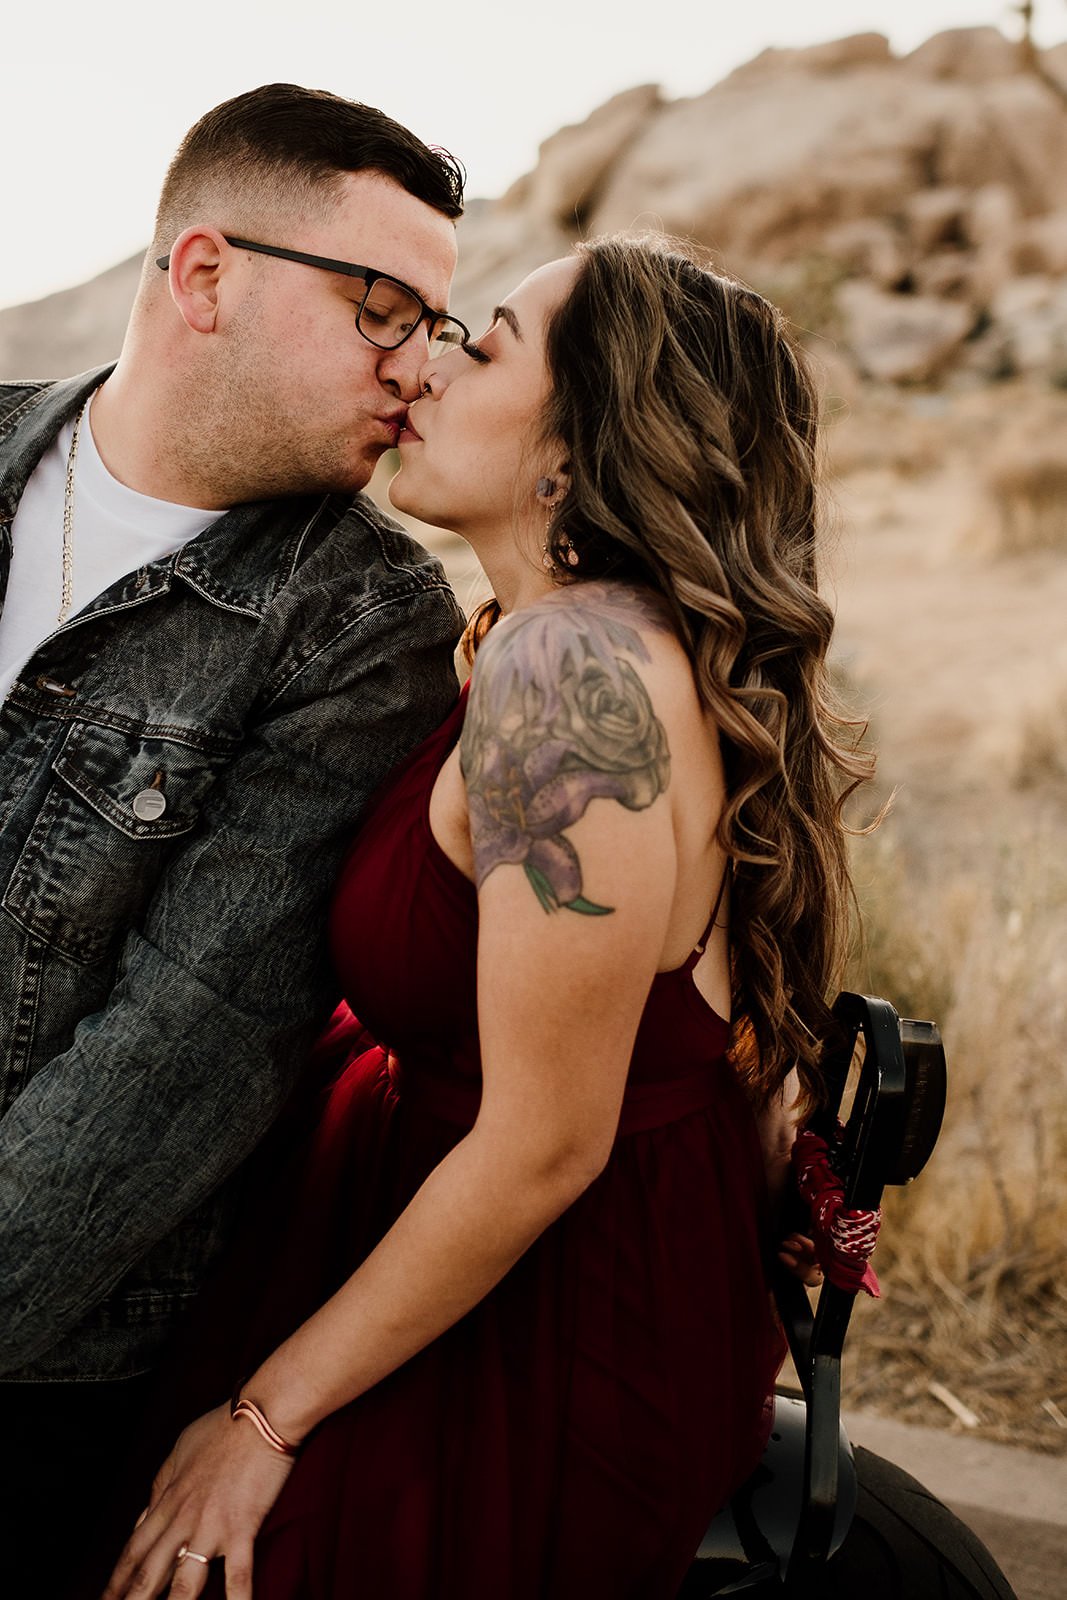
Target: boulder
<point>869,248</point>
<point>991,217</point>
<point>968,55</point>
<point>1041,245</point>
<point>572,163</point>
<point>902,338</point>
<point>990,228</point>
<point>763,176</point>
<point>1054,62</point>
<point>946,273</point>
<point>1011,132</point>
<point>935,217</point>
<point>837,55</point>
<point>1029,326</point>
<point>497,248</point>
<point>761,171</point>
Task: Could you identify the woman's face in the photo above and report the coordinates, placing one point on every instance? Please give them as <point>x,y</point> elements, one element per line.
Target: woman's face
<point>470,456</point>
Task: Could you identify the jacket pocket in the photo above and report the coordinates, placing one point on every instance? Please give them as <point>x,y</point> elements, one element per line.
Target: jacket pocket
<point>113,812</point>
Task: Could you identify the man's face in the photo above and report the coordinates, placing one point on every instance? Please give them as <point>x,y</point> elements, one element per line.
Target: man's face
<point>315,404</point>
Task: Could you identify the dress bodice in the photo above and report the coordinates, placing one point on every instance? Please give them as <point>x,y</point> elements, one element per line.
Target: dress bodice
<point>408,969</point>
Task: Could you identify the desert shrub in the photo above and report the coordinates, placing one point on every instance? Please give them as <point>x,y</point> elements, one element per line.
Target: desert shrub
<point>1026,481</point>
<point>806,289</point>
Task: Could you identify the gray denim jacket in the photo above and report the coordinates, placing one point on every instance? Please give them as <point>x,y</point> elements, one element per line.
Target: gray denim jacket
<point>161,976</point>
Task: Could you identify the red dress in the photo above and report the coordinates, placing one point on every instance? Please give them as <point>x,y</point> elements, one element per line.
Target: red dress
<point>570,1438</point>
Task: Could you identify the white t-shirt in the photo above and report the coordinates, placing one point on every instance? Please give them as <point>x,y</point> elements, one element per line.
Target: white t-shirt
<point>116,531</point>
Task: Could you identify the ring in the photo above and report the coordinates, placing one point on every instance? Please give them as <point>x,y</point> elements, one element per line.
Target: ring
<point>185,1554</point>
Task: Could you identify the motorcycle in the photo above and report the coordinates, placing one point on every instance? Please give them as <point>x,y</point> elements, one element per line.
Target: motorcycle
<point>819,1519</point>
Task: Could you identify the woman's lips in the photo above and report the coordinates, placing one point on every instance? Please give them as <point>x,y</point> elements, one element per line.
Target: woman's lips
<point>408,435</point>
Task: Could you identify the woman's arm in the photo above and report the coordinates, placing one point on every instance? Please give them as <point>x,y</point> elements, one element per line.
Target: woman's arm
<point>565,761</point>
<point>560,990</point>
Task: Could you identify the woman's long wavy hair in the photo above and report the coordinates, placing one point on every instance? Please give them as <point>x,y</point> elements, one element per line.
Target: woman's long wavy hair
<point>689,422</point>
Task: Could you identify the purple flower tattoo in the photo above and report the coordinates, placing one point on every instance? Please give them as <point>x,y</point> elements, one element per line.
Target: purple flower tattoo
<point>556,719</point>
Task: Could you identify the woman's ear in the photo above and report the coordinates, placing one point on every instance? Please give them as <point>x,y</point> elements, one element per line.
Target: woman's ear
<point>554,485</point>
<point>197,263</point>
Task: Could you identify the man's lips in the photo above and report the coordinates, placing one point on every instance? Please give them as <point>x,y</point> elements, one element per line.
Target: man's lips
<point>408,434</point>
<point>395,423</point>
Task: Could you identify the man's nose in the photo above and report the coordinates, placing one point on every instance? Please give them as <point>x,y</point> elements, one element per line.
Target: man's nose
<point>400,369</point>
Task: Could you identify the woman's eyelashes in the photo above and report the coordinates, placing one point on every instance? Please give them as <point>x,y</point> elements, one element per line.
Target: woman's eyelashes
<point>475,351</point>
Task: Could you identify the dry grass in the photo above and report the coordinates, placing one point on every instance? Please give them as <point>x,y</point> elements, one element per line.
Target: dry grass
<point>1040,756</point>
<point>906,436</point>
<point>974,1255</point>
<point>1026,483</point>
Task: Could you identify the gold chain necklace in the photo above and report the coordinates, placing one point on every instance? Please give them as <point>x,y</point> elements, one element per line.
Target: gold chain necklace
<point>67,599</point>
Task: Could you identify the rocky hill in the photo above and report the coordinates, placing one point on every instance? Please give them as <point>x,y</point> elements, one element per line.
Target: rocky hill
<point>914,209</point>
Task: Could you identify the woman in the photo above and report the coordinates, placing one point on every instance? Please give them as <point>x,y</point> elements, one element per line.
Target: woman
<point>529,1252</point>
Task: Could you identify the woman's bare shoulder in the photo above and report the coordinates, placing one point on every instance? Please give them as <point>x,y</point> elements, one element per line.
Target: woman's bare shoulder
<point>599,620</point>
<point>560,715</point>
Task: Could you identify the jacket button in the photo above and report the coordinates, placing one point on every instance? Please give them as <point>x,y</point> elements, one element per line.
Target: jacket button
<point>149,804</point>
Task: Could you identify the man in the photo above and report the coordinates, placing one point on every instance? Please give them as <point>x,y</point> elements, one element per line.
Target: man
<point>211,655</point>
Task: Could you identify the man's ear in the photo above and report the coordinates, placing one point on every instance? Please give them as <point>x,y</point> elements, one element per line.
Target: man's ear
<point>196,265</point>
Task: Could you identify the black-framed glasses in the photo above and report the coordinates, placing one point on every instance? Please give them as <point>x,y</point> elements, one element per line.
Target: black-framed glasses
<point>389,311</point>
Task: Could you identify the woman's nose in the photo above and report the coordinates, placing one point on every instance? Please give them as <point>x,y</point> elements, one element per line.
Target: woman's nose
<point>437,372</point>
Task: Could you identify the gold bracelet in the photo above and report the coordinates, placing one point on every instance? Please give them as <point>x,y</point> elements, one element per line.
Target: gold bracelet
<point>249,1409</point>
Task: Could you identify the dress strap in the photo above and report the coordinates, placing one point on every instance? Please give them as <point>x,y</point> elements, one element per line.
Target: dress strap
<point>701,944</point>
<point>715,908</point>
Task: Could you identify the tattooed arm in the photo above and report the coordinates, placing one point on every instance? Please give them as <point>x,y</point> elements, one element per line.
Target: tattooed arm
<point>558,718</point>
<point>566,762</point>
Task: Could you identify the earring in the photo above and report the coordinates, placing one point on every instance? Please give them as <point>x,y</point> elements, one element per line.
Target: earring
<point>545,488</point>
<point>546,555</point>
<point>564,545</point>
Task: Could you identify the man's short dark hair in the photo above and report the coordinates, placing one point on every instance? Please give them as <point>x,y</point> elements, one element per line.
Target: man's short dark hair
<point>292,145</point>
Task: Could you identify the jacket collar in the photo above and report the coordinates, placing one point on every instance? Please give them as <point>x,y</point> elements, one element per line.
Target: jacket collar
<point>30,425</point>
<point>239,562</point>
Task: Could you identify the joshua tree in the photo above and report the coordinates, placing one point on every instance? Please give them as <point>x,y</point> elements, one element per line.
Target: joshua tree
<point>1030,56</point>
<point>1027,49</point>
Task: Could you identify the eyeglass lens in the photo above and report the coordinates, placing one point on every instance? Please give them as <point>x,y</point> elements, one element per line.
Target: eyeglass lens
<point>390,313</point>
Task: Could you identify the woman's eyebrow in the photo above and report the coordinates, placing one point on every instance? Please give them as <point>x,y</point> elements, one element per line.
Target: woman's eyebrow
<point>505,314</point>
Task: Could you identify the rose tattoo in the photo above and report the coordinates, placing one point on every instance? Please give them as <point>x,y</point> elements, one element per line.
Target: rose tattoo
<point>556,719</point>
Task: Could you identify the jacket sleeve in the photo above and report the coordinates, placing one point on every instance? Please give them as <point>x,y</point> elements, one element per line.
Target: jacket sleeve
<point>166,1090</point>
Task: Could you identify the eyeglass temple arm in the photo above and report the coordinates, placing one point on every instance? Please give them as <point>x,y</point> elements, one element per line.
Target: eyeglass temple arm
<point>348,268</point>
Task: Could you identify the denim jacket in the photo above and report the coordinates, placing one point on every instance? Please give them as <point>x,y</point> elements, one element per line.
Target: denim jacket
<point>162,975</point>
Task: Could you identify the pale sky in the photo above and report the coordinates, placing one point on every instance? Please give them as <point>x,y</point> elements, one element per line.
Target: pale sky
<point>96,96</point>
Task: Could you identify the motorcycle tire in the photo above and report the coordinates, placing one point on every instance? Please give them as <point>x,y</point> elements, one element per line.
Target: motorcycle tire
<point>904,1544</point>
